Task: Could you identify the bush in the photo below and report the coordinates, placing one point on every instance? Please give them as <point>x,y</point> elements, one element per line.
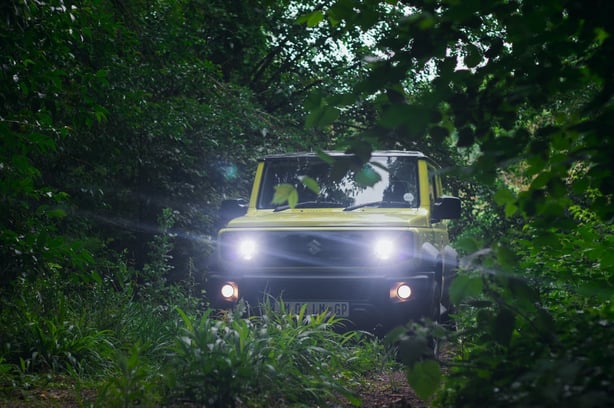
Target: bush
<point>537,329</point>
<point>263,360</point>
<point>46,329</point>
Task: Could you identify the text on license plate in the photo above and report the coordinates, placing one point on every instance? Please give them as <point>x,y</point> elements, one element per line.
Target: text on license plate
<point>339,309</point>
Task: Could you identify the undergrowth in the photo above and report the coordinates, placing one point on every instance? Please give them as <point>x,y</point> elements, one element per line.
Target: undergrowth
<point>129,337</point>
<point>149,355</point>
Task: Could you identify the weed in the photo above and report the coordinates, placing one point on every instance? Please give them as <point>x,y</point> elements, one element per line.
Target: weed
<point>134,380</point>
<point>278,356</point>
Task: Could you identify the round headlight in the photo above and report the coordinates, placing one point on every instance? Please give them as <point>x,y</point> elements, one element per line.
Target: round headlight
<point>384,249</point>
<point>403,291</point>
<point>247,249</point>
<point>230,291</point>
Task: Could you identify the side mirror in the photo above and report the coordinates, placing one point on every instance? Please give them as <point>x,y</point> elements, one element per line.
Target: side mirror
<point>446,208</point>
<point>232,208</point>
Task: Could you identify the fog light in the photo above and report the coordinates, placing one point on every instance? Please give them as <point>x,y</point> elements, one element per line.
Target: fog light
<point>230,291</point>
<point>400,292</point>
<point>403,292</point>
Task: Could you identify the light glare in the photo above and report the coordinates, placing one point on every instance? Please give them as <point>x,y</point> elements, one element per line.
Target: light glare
<point>384,249</point>
<point>247,249</point>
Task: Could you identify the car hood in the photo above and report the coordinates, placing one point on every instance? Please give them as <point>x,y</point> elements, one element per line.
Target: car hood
<point>333,218</point>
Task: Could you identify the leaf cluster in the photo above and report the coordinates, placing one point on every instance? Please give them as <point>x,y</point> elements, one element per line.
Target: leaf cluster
<point>518,100</point>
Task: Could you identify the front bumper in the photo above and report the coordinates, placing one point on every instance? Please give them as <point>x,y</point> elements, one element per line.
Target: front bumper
<point>373,303</point>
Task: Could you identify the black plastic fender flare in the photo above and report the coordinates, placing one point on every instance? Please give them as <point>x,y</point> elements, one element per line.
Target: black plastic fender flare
<point>450,267</point>
<point>432,260</point>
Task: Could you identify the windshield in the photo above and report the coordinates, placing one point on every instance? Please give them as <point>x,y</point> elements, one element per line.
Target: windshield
<point>395,181</point>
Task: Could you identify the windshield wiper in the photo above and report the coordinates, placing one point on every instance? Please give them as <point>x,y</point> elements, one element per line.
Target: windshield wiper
<point>310,204</point>
<point>380,204</point>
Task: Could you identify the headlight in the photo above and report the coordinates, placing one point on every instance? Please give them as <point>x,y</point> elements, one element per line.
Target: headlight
<point>240,247</point>
<point>384,249</point>
<point>247,249</point>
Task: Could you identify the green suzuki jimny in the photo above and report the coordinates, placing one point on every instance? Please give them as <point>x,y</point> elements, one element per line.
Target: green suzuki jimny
<point>367,242</point>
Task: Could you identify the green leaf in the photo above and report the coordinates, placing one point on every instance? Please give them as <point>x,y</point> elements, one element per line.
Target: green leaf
<point>340,169</point>
<point>504,326</point>
<point>326,158</point>
<point>541,180</point>
<point>473,57</point>
<point>56,213</point>
<point>285,193</point>
<point>468,244</point>
<point>310,184</point>
<point>361,149</point>
<point>354,398</point>
<point>293,199</point>
<point>425,378</point>
<point>411,349</point>
<point>322,116</point>
<point>315,18</point>
<point>466,137</point>
<point>504,196</point>
<point>96,277</point>
<point>314,100</point>
<point>506,256</point>
<point>43,142</point>
<point>343,9</point>
<point>311,19</point>
<point>439,134</point>
<point>465,286</point>
<point>510,209</point>
<point>396,115</point>
<point>367,177</point>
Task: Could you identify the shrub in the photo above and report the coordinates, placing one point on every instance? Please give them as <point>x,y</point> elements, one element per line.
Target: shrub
<point>262,360</point>
<point>537,328</point>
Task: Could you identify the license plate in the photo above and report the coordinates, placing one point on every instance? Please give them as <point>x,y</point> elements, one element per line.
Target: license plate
<point>339,309</point>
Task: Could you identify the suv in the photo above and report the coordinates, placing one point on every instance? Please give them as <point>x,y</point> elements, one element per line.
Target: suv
<point>364,241</point>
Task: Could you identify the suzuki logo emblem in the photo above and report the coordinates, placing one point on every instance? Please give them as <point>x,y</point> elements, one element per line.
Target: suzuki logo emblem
<point>314,247</point>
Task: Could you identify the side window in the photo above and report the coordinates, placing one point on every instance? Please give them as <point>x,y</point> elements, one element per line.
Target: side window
<point>434,184</point>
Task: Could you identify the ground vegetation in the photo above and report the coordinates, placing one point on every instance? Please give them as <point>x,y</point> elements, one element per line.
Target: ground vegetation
<point>124,124</point>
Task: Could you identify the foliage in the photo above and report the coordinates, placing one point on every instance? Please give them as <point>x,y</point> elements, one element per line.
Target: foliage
<point>112,112</point>
<point>53,331</point>
<point>135,381</point>
<point>122,124</point>
<point>40,46</point>
<point>530,310</point>
<point>526,90</point>
<point>483,65</point>
<point>262,360</point>
<point>273,359</point>
<point>132,341</point>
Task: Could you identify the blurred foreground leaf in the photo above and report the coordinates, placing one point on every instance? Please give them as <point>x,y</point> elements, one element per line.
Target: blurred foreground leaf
<point>424,377</point>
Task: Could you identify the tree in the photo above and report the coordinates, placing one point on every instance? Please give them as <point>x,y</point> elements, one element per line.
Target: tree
<point>530,86</point>
<point>44,76</point>
<point>113,111</point>
<point>494,66</point>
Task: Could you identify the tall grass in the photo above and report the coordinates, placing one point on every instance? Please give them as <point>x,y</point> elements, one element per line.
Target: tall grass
<point>259,361</point>
<point>147,353</point>
<point>43,329</point>
<point>152,344</point>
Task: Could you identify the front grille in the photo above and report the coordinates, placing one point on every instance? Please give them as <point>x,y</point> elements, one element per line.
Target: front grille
<point>315,249</point>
